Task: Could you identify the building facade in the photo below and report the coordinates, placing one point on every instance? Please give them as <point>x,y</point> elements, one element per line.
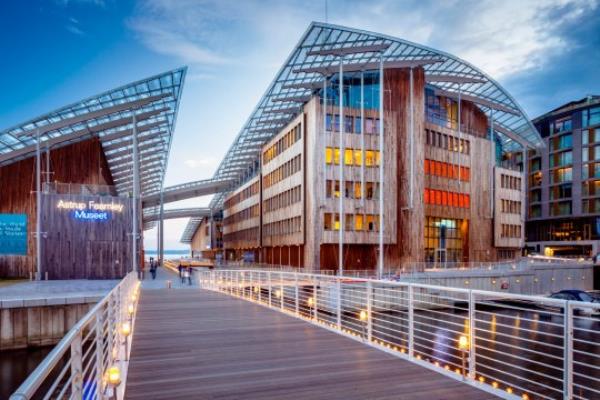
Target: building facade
<point>563,185</point>
<point>320,172</point>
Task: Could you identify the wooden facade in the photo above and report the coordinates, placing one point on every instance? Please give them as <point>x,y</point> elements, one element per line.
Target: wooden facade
<point>64,255</point>
<point>413,141</point>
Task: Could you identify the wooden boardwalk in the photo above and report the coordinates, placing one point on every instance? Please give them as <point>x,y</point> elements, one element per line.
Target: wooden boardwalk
<point>195,344</point>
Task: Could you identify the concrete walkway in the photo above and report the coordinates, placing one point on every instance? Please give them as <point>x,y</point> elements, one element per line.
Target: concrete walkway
<point>59,289</point>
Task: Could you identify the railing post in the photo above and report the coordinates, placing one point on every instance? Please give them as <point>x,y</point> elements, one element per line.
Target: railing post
<point>111,319</point>
<point>338,300</point>
<point>297,298</point>
<point>472,349</point>
<point>411,322</point>
<point>76,368</point>
<point>568,352</point>
<point>99,351</point>
<point>243,281</point>
<point>259,286</point>
<point>281,289</point>
<point>269,286</point>
<point>316,316</point>
<point>369,311</point>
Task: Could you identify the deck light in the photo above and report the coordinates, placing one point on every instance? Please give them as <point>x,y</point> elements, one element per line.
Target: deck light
<point>509,390</point>
<point>363,315</point>
<point>278,293</point>
<point>310,301</point>
<point>114,376</point>
<point>130,309</point>
<point>463,342</point>
<point>126,329</point>
<point>495,385</point>
<point>255,289</point>
<point>525,396</point>
<point>481,379</point>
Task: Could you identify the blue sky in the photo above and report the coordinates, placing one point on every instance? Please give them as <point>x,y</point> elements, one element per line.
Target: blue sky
<point>54,52</point>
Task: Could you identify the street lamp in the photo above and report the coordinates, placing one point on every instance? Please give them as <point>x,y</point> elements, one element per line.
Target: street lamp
<point>463,345</point>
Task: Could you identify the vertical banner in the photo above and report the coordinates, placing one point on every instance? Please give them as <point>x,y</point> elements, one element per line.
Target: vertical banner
<point>13,234</point>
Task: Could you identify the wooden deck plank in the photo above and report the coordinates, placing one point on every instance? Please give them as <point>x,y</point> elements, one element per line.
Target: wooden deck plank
<point>195,344</point>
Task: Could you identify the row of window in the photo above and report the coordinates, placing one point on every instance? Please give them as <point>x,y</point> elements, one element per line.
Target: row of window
<point>510,231</point>
<point>242,215</point>
<point>352,157</point>
<point>590,117</point>
<point>441,111</point>
<point>510,182</point>
<point>561,208</point>
<point>352,190</point>
<point>250,235</point>
<point>511,206</point>
<point>281,145</point>
<point>590,136</point>
<point>446,142</point>
<point>284,199</point>
<point>284,171</point>
<point>354,222</point>
<point>351,124</point>
<point>590,206</point>
<point>444,198</point>
<point>447,170</point>
<point>242,195</point>
<point>561,142</point>
<point>283,227</point>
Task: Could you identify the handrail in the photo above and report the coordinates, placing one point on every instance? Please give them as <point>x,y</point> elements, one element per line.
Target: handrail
<point>105,320</point>
<point>514,346</point>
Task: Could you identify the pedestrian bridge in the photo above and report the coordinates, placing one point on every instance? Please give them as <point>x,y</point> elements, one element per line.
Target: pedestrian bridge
<point>197,212</point>
<point>187,191</point>
<point>259,334</point>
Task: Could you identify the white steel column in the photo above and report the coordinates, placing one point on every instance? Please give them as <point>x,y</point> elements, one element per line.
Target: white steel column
<point>325,136</point>
<point>411,144</point>
<point>161,239</point>
<point>47,189</point>
<point>362,138</point>
<point>136,182</point>
<point>492,162</point>
<point>381,162</point>
<point>38,208</point>
<point>341,159</point>
<point>460,146</point>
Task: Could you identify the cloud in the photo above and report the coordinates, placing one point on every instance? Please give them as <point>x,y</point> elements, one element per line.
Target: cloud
<point>74,29</point>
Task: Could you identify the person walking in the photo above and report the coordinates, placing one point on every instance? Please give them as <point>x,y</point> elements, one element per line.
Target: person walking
<point>189,274</point>
<point>153,271</point>
<point>180,269</point>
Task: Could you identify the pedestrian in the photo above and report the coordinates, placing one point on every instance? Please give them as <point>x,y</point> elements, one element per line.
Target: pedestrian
<point>186,275</point>
<point>190,275</point>
<point>153,271</point>
<point>180,268</point>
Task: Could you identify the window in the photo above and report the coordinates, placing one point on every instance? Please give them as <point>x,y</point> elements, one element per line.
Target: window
<point>591,153</point>
<point>590,136</point>
<point>285,142</point>
<point>590,206</point>
<point>357,125</point>
<point>358,157</point>
<point>560,208</point>
<point>560,125</point>
<point>561,191</point>
<point>444,198</point>
<point>348,156</point>
<point>535,211</point>
<point>369,158</point>
<point>561,142</point>
<point>561,175</point>
<point>561,159</point>
<point>590,117</point>
<point>358,222</point>
<point>444,236</point>
<point>591,170</point>
<point>328,155</point>
<point>591,188</point>
<point>535,195</point>
<point>535,164</point>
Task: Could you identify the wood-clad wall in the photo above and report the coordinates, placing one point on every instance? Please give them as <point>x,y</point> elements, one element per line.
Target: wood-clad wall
<point>85,249</point>
<point>82,162</point>
<point>410,230</point>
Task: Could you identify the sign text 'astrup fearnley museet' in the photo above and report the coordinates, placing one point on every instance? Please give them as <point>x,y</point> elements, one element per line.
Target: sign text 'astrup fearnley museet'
<point>90,210</point>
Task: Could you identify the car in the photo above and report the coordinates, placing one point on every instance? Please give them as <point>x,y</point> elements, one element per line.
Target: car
<point>578,295</point>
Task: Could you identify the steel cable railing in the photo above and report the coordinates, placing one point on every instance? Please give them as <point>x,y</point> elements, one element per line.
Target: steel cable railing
<point>514,346</point>
<point>92,358</point>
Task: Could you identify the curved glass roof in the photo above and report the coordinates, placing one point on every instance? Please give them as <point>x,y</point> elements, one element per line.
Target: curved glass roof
<point>302,74</point>
<point>109,116</point>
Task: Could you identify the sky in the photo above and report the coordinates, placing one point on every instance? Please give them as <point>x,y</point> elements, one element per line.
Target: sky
<point>55,52</point>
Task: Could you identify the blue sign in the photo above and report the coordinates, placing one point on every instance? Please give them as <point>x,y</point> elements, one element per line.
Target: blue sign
<point>13,234</point>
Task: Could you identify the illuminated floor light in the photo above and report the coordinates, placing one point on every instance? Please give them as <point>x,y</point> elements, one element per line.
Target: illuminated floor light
<point>481,379</point>
<point>495,385</point>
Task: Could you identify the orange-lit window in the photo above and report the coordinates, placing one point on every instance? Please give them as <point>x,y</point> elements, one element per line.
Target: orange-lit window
<point>336,156</point>
<point>427,168</point>
<point>438,168</point>
<point>438,197</point>
<point>444,198</point>
<point>467,201</point>
<point>426,199</point>
<point>445,170</point>
<point>348,156</point>
<point>454,199</point>
<point>328,155</point>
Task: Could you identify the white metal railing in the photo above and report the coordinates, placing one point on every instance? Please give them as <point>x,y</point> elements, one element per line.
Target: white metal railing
<point>514,346</point>
<point>92,358</point>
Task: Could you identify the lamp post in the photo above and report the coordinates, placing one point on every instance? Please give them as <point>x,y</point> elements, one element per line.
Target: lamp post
<point>363,316</point>
<point>125,332</point>
<point>113,380</point>
<point>463,345</point>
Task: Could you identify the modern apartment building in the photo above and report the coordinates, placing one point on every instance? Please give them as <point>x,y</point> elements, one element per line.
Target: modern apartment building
<point>311,188</point>
<point>563,186</point>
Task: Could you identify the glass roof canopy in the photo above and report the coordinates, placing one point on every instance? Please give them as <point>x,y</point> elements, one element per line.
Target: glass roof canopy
<point>109,116</point>
<point>444,71</point>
